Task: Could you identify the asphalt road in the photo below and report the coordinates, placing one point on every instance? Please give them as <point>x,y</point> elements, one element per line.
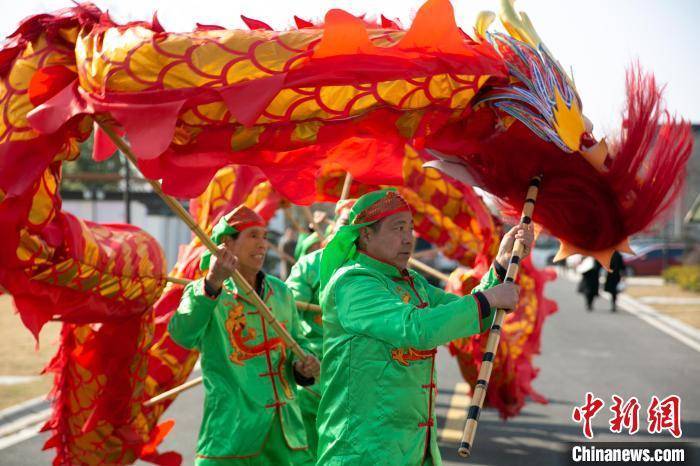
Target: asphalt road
<point>596,352</point>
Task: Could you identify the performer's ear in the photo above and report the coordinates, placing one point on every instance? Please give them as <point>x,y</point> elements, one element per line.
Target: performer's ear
<point>365,236</point>
<point>229,242</point>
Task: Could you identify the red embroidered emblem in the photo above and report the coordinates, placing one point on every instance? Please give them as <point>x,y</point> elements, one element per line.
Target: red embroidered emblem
<point>405,357</point>
<point>239,336</point>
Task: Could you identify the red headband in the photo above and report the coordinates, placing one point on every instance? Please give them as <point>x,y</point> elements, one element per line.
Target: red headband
<point>390,204</point>
<point>242,218</point>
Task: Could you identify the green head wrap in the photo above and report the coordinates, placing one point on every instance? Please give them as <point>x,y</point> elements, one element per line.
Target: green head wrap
<point>367,210</point>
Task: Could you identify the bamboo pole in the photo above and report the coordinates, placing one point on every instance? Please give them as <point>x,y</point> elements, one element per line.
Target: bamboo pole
<point>180,211</point>
<point>173,391</point>
<point>301,305</point>
<point>178,281</point>
<point>346,187</point>
<point>425,252</point>
<point>304,306</point>
<point>495,333</point>
<point>186,386</point>
<point>428,269</point>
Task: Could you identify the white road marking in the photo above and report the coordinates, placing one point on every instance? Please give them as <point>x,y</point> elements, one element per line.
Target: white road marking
<point>454,419</point>
<point>17,379</point>
<point>25,405</point>
<point>22,429</point>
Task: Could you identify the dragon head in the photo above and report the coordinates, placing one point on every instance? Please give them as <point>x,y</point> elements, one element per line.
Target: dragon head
<point>539,94</point>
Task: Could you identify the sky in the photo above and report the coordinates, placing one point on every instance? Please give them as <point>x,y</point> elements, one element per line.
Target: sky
<point>596,39</point>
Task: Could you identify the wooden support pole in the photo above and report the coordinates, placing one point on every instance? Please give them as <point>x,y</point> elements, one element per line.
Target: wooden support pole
<point>346,187</point>
<point>425,252</point>
<point>495,334</point>
<point>174,391</point>
<point>416,264</point>
<point>304,306</point>
<point>186,386</point>
<point>301,305</point>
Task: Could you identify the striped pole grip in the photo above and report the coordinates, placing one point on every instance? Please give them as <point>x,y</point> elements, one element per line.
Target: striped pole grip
<point>495,333</point>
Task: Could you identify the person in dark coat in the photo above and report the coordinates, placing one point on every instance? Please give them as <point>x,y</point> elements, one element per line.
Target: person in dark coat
<point>613,278</point>
<point>589,284</point>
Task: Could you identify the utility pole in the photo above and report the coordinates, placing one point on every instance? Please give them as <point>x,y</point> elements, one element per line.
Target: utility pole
<point>127,188</point>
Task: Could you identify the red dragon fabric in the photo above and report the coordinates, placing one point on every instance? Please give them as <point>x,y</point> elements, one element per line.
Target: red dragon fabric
<point>370,99</point>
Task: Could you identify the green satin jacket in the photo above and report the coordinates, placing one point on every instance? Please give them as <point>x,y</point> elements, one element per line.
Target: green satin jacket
<point>248,376</point>
<point>304,281</point>
<point>381,330</point>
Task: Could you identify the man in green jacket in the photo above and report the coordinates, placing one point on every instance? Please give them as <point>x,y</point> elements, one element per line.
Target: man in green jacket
<point>251,414</point>
<point>304,282</point>
<point>382,324</point>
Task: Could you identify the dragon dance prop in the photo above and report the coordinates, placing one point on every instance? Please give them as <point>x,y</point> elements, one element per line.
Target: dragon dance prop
<point>350,94</point>
<point>346,95</point>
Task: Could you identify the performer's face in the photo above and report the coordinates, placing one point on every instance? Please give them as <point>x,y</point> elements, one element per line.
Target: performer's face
<point>250,247</point>
<point>392,241</point>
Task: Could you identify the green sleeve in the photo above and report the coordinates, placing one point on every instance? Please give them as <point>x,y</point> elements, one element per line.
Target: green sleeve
<point>437,296</point>
<point>366,307</point>
<point>191,318</point>
<point>298,284</point>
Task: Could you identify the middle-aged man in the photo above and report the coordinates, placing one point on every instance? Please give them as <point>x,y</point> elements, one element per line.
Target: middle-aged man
<point>251,413</point>
<point>382,324</point>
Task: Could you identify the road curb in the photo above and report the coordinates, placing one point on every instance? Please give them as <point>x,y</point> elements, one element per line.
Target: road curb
<point>673,327</point>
